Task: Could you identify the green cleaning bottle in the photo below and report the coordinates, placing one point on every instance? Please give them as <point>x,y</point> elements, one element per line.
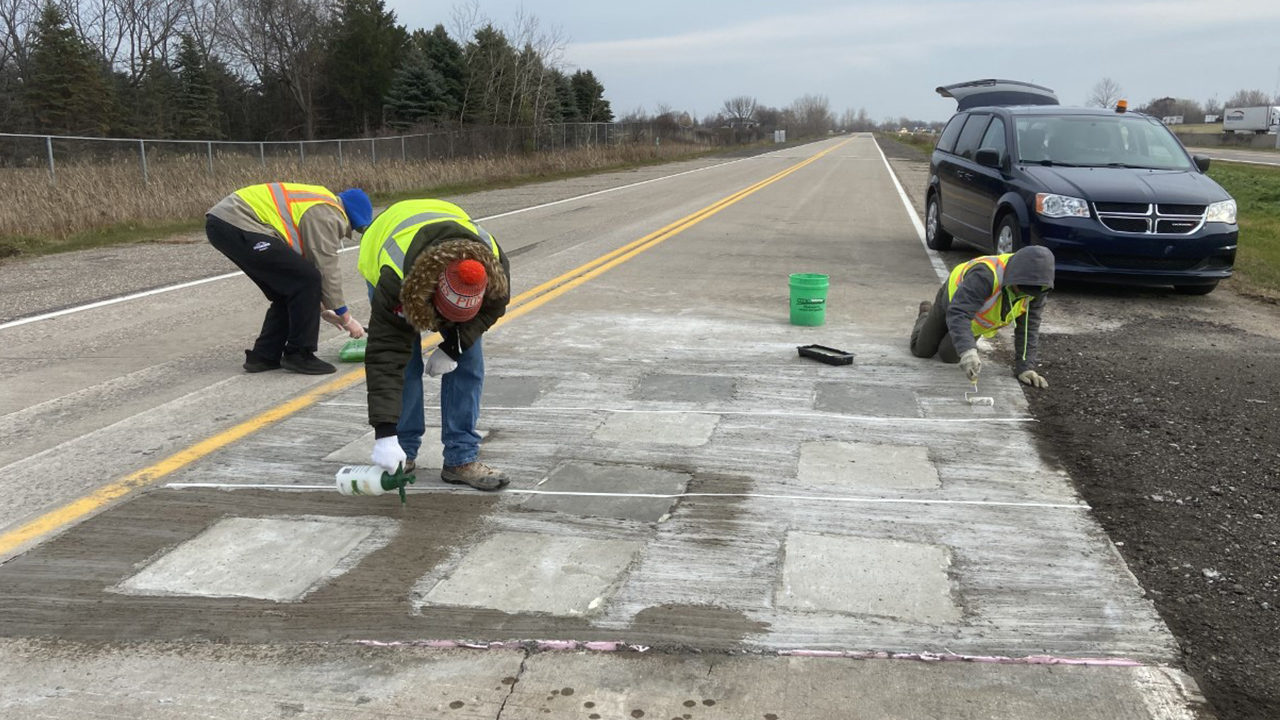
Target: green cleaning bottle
<point>372,480</point>
<point>353,350</point>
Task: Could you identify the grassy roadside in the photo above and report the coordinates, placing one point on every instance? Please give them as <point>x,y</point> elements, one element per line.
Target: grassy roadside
<point>63,229</point>
<point>1256,189</point>
<point>923,142</point>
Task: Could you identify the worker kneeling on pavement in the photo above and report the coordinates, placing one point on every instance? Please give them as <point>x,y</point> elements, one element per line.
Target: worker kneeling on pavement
<point>431,268</point>
<point>286,237</point>
<point>980,297</point>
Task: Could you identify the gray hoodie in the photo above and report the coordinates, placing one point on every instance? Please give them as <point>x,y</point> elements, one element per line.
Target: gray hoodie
<point>1031,268</point>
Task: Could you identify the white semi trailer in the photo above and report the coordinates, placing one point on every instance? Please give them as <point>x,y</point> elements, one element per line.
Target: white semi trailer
<point>1254,120</point>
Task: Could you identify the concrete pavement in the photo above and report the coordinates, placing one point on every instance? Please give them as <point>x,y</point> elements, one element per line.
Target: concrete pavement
<point>683,484</point>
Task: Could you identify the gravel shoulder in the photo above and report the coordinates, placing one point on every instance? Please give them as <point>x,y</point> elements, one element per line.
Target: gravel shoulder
<point>1164,411</point>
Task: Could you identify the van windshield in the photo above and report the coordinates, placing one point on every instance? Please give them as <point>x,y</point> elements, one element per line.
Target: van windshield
<point>1099,141</point>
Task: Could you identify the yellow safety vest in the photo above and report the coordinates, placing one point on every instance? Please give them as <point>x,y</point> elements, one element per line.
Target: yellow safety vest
<point>387,240</point>
<point>281,205</point>
<point>991,317</point>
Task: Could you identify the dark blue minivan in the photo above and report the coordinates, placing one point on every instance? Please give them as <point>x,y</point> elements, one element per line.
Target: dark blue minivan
<point>1112,193</point>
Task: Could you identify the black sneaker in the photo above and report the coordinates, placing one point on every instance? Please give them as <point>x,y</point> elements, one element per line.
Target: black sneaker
<point>255,363</point>
<point>306,363</point>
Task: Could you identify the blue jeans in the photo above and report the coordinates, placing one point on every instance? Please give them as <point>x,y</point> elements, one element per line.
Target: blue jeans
<point>459,405</point>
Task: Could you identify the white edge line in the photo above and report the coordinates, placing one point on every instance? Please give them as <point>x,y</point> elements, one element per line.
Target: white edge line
<point>938,266</point>
<point>1246,162</point>
<point>655,496</point>
<point>193,283</point>
<point>760,413</point>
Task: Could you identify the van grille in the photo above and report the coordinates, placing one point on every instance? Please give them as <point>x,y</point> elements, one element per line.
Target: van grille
<point>1144,219</point>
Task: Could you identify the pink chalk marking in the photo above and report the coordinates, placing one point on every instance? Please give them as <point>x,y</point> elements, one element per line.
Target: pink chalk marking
<point>619,646</point>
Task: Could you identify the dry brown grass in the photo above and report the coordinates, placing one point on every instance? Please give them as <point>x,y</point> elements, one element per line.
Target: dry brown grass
<point>93,198</point>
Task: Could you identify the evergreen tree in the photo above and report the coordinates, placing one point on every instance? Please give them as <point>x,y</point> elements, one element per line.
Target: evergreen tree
<point>146,108</point>
<point>363,57</point>
<point>68,91</point>
<point>195,107</point>
<point>564,109</point>
<point>418,93</point>
<point>491,65</point>
<point>588,93</point>
<point>445,56</point>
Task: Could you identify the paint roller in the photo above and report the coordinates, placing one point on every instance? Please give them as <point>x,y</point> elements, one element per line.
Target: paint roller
<point>973,398</point>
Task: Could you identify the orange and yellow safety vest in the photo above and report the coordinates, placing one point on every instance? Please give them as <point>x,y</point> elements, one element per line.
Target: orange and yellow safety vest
<point>281,205</point>
<point>991,317</point>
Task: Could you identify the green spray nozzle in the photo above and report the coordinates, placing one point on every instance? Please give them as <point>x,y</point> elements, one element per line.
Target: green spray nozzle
<point>397,481</point>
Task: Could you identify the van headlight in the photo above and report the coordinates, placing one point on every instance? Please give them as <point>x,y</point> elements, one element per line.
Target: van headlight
<point>1222,212</point>
<point>1060,206</point>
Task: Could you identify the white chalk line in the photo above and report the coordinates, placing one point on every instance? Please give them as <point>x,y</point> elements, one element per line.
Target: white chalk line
<point>202,281</point>
<point>938,266</point>
<point>649,496</point>
<point>750,413</point>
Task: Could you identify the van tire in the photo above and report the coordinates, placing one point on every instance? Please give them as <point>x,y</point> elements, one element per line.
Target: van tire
<point>1008,224</point>
<point>935,236</point>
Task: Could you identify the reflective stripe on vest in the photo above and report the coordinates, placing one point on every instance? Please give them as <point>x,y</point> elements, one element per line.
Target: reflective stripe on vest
<point>281,206</point>
<point>396,239</point>
<point>990,317</point>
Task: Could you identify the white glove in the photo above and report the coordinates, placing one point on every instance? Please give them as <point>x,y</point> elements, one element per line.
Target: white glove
<point>387,453</point>
<point>971,364</point>
<point>353,327</point>
<point>440,363</point>
<point>1034,379</point>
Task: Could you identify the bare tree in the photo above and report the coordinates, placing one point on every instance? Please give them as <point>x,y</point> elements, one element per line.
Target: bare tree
<point>812,115</point>
<point>17,18</point>
<point>1105,93</point>
<point>1248,98</point>
<point>740,109</point>
<point>282,38</point>
<point>130,35</point>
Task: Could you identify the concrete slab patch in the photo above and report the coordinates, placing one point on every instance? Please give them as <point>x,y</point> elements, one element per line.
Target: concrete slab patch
<point>512,391</point>
<point>430,455</point>
<point>864,576</point>
<point>697,389</point>
<point>867,466</point>
<point>273,558</point>
<point>852,398</point>
<point>684,429</point>
<point>613,481</point>
<point>527,573</point>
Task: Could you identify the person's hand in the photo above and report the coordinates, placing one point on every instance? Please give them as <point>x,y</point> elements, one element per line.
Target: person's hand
<point>333,319</point>
<point>971,364</point>
<point>387,453</point>
<point>353,326</point>
<point>1034,379</point>
<point>440,363</point>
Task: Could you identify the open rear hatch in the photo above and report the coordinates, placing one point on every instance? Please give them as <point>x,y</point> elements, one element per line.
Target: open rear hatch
<point>988,93</point>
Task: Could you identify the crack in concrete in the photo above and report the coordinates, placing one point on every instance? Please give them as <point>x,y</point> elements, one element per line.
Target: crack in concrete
<point>512,691</point>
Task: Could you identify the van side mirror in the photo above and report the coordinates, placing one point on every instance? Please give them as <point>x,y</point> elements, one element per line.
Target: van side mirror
<point>1202,162</point>
<point>988,157</point>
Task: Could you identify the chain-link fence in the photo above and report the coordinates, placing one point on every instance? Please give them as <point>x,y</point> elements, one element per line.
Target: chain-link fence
<point>52,151</point>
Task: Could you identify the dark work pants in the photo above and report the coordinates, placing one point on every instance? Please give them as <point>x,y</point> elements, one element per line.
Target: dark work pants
<point>930,336</point>
<point>289,281</point>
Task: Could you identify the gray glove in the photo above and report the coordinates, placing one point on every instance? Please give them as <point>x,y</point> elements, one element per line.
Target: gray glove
<point>971,364</point>
<point>1034,379</point>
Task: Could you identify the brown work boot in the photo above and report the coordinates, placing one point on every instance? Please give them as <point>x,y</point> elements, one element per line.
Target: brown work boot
<point>925,307</point>
<point>476,474</point>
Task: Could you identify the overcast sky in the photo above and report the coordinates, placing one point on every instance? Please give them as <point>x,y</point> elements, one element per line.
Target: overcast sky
<point>889,55</point>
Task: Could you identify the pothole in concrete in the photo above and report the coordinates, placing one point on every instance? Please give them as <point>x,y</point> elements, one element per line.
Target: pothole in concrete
<point>274,558</point>
<point>868,466</point>
<point>695,389</point>
<point>527,573</point>
<point>609,491</point>
<point>867,576</point>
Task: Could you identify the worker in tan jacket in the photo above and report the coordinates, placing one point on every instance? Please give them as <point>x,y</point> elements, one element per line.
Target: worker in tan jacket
<point>286,237</point>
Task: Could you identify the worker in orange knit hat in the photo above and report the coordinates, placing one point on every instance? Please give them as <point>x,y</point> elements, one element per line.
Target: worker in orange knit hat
<point>431,268</point>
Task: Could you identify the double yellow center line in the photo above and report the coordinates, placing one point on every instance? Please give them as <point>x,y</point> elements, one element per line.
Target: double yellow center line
<point>525,302</point>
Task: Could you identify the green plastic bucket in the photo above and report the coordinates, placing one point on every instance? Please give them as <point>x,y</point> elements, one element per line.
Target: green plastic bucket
<point>808,299</point>
<point>353,350</point>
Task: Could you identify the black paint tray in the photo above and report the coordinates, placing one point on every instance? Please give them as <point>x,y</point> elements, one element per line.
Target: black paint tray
<point>830,356</point>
